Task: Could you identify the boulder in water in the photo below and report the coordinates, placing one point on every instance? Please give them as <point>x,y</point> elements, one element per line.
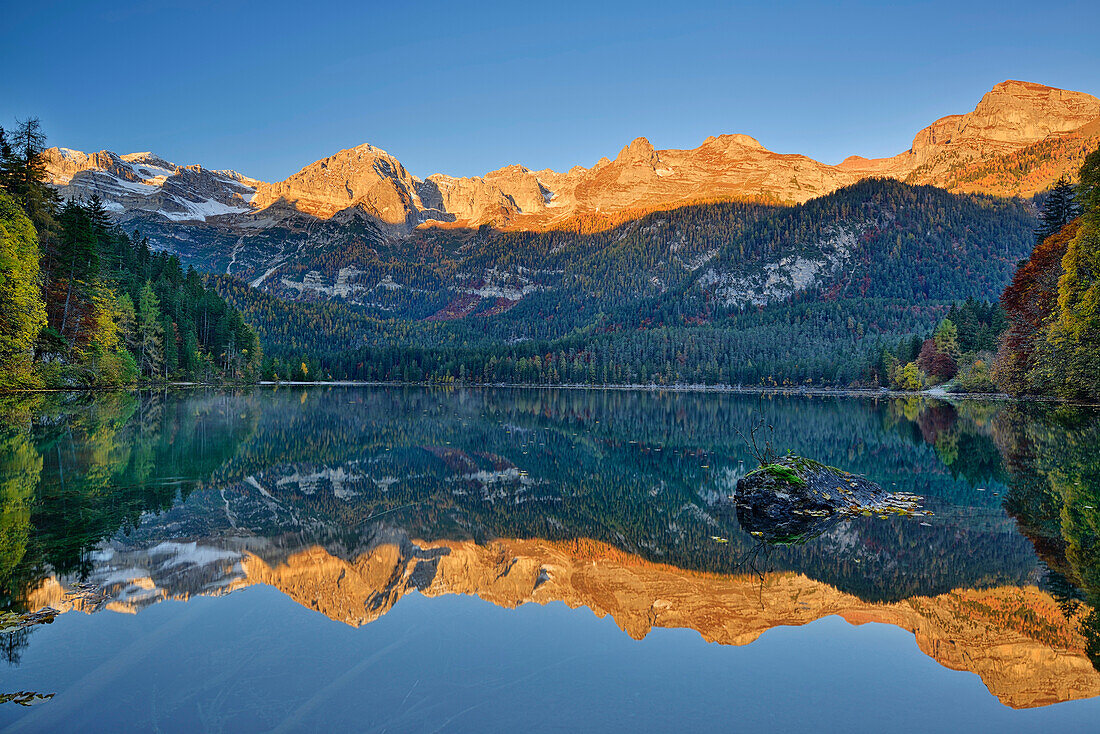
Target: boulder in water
<point>793,499</point>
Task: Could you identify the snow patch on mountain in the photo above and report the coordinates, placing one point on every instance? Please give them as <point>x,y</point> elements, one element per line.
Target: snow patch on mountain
<point>200,210</point>
<point>142,183</point>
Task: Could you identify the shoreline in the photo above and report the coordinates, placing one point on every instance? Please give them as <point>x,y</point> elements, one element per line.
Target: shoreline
<point>682,388</point>
<point>849,392</point>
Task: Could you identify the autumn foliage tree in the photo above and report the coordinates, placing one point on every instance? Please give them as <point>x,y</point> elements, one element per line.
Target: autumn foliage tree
<point>1052,346</point>
<point>84,303</point>
<point>1075,334</point>
<point>935,363</point>
<point>1030,301</point>
<point>22,313</point>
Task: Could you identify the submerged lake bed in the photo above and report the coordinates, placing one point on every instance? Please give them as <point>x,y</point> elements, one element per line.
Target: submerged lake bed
<point>411,559</point>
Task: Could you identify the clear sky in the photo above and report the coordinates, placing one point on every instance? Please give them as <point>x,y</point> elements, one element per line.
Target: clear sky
<point>466,87</point>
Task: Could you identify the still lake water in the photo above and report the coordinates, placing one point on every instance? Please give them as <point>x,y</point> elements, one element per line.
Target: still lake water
<point>377,559</point>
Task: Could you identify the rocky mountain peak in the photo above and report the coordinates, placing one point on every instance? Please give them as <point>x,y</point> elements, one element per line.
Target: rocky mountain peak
<point>734,140</point>
<point>364,176</point>
<point>1010,117</point>
<point>639,152</point>
<point>1015,110</point>
<point>135,184</point>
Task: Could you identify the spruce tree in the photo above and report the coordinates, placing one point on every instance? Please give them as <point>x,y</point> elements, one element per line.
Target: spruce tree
<point>150,332</point>
<point>25,175</point>
<point>75,268</point>
<point>8,163</point>
<point>1059,209</point>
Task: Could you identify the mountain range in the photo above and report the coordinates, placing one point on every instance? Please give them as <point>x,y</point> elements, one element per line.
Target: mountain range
<point>851,256</point>
<point>961,630</point>
<point>1048,129</point>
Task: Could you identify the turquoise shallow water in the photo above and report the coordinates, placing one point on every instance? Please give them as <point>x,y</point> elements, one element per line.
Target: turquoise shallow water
<point>375,559</point>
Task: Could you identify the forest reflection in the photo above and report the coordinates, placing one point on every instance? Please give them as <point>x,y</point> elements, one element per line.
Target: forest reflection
<point>215,489</point>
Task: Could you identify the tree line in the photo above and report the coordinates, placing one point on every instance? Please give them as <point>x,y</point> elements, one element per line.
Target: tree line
<point>1052,345</point>
<point>627,305</point>
<point>84,303</point>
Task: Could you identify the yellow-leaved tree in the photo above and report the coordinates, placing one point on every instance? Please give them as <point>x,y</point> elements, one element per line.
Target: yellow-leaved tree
<point>1074,339</point>
<point>22,311</point>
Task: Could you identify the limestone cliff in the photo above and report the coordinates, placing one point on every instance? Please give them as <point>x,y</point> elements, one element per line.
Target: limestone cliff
<point>1048,130</point>
<point>363,176</point>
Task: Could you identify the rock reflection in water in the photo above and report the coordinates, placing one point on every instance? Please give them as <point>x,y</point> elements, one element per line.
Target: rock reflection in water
<point>1027,649</point>
<point>347,500</point>
<point>794,499</point>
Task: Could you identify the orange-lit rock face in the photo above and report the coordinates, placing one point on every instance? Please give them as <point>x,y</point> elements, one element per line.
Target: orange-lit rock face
<point>1012,116</point>
<point>364,176</point>
<point>1024,664</point>
<point>1018,640</point>
<point>1034,130</point>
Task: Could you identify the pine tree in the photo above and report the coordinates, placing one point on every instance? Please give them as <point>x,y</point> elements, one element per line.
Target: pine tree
<point>1059,209</point>
<point>1088,187</point>
<point>24,175</point>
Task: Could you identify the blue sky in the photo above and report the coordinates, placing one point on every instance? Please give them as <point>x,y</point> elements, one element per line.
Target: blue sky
<point>463,88</point>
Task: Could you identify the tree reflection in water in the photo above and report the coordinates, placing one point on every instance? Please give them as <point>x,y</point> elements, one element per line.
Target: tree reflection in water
<point>83,477</point>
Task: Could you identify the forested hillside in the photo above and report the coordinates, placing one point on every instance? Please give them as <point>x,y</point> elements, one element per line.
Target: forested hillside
<point>719,293</point>
<point>83,303</point>
<point>829,292</point>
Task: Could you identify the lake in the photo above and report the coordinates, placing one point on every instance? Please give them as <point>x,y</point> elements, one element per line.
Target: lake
<point>335,558</point>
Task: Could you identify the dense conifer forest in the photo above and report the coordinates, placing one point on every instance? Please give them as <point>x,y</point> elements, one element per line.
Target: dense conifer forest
<point>666,299</point>
<point>83,303</point>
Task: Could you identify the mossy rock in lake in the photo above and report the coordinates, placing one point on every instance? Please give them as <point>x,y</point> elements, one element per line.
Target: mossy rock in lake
<point>794,499</point>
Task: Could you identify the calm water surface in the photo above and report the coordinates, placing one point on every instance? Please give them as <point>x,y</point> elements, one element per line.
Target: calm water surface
<point>372,559</point>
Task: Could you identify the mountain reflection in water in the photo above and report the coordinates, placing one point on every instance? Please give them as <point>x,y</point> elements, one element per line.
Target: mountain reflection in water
<point>347,499</point>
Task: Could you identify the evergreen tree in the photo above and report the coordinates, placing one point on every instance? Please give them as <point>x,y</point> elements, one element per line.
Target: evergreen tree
<point>24,175</point>
<point>75,270</point>
<point>149,331</point>
<point>1059,209</point>
<point>1088,187</point>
